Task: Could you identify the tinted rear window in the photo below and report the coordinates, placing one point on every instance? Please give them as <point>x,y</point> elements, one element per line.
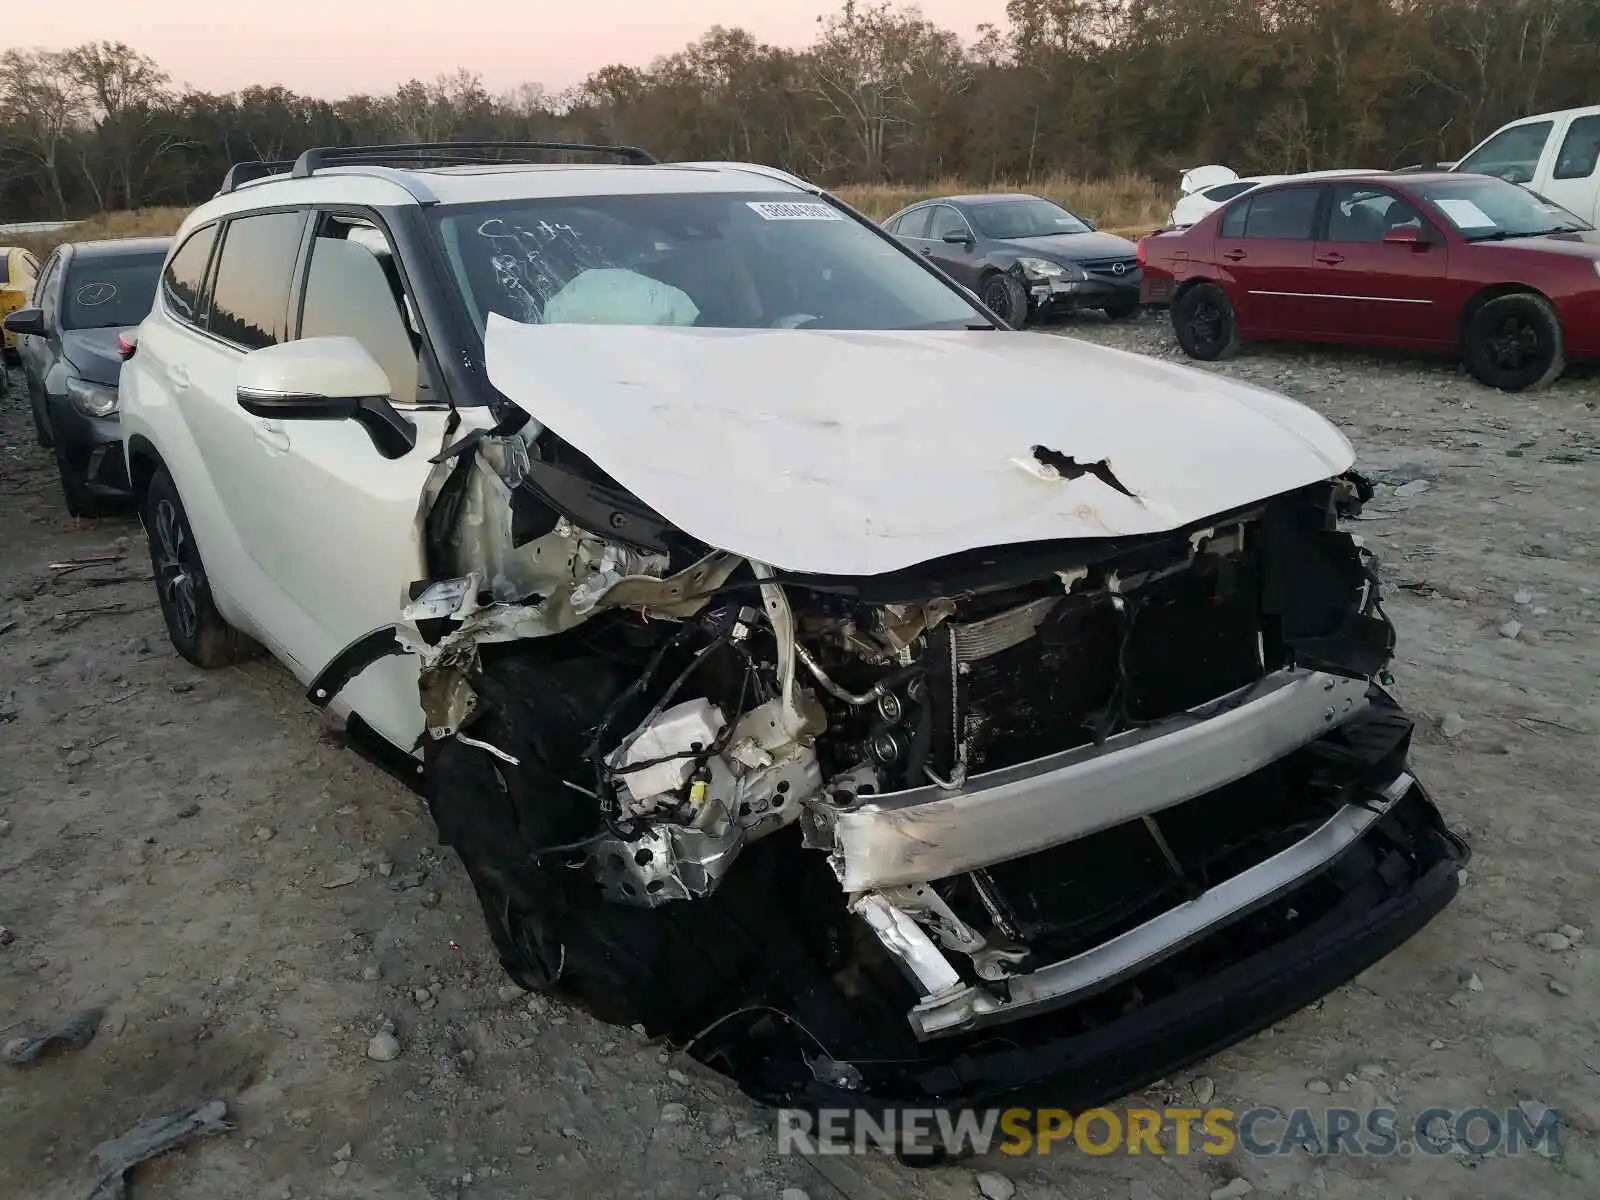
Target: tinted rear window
<point>186,272</point>
<point>1228,191</point>
<point>109,291</point>
<point>1287,214</point>
<point>915,224</point>
<point>5,268</point>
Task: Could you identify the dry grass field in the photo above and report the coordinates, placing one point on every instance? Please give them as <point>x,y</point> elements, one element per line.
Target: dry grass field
<point>139,223</point>
<point>1126,204</point>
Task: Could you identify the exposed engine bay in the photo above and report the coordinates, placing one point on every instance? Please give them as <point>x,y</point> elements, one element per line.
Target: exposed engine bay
<point>932,834</point>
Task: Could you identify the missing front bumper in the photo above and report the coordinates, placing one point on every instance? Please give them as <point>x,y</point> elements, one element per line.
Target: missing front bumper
<point>931,833</point>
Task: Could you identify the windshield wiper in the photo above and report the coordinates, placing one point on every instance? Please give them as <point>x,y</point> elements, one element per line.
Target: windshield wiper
<point>1500,235</point>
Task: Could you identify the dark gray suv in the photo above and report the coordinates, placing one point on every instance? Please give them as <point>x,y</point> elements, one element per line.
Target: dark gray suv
<point>71,339</point>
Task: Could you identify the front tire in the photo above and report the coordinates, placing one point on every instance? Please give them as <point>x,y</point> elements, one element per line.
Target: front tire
<point>1205,323</point>
<point>197,629</point>
<point>1005,296</point>
<point>1514,343</point>
<point>1121,310</point>
<point>81,502</point>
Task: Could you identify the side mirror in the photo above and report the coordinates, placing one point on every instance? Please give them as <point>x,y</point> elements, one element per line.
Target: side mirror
<point>324,379</point>
<point>957,237</point>
<point>28,321</point>
<point>1407,235</point>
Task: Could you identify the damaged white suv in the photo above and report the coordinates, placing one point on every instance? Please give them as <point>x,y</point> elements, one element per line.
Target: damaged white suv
<point>894,706</point>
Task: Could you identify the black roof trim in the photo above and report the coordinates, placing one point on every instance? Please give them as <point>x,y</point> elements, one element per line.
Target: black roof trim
<point>455,153</point>
<point>421,154</point>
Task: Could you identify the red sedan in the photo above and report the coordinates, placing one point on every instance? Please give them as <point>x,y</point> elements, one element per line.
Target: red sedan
<point>1460,263</point>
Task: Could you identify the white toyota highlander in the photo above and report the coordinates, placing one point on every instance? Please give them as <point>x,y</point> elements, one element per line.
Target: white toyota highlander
<point>892,706</point>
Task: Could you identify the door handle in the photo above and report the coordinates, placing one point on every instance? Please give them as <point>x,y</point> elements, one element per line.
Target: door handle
<point>271,435</point>
<point>178,376</point>
<point>1332,260</point>
<point>1234,255</point>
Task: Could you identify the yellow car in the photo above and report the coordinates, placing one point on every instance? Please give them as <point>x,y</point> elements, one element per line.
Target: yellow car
<point>18,270</point>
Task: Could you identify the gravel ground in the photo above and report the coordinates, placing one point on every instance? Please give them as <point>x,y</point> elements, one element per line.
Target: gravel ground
<point>252,905</point>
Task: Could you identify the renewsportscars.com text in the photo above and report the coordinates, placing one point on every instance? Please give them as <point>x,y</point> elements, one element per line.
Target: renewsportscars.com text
<point>1259,1132</point>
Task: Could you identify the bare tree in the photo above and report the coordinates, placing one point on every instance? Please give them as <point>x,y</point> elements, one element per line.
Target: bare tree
<point>876,69</point>
<point>43,105</point>
<point>126,94</point>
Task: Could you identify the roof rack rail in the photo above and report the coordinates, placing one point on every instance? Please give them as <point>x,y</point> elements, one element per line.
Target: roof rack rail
<point>241,173</point>
<point>446,153</point>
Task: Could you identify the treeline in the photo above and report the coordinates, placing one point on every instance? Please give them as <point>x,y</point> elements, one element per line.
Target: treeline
<point>1083,87</point>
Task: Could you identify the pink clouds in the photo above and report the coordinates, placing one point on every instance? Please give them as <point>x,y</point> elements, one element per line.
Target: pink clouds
<point>336,47</point>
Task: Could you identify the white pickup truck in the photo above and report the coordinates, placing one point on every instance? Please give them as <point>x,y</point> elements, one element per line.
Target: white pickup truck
<point>1556,154</point>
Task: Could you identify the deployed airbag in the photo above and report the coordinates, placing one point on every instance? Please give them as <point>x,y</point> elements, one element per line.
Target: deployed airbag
<point>612,296</point>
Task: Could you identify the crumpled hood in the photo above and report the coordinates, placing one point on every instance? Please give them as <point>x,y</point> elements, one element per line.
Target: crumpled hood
<point>93,353</point>
<point>858,453</point>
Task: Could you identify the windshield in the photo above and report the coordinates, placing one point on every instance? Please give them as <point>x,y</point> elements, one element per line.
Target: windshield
<point>1006,219</point>
<point>718,260</point>
<point>110,291</point>
<point>1484,209</point>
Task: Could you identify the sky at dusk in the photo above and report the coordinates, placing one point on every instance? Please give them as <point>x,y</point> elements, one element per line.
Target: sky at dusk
<point>333,48</point>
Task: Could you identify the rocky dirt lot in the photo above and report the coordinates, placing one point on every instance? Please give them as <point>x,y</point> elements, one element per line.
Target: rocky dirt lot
<point>252,905</point>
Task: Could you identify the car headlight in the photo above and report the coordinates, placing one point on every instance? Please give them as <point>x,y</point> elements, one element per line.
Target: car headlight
<point>92,399</point>
<point>1043,268</point>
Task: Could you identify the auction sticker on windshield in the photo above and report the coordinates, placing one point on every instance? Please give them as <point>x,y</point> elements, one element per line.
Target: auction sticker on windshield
<point>1465,213</point>
<point>789,210</point>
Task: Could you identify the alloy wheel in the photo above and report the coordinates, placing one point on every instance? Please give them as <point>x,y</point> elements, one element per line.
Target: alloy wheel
<point>998,299</point>
<point>177,569</point>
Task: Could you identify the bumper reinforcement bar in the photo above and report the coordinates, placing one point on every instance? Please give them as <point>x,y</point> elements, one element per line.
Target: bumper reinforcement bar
<point>952,1009</point>
<point>933,833</point>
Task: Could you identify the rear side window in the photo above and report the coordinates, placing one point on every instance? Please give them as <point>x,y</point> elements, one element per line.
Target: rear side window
<point>915,224</point>
<point>250,299</point>
<point>1287,214</point>
<point>186,274</point>
<point>1580,150</point>
<point>5,268</point>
